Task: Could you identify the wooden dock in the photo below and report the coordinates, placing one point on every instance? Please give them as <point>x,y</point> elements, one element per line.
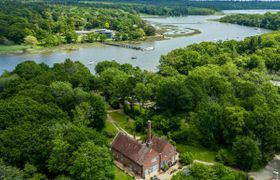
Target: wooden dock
<point>125,46</point>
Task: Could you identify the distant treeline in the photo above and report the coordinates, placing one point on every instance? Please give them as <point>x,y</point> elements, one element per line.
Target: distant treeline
<point>174,10</point>
<point>218,5</point>
<point>268,20</point>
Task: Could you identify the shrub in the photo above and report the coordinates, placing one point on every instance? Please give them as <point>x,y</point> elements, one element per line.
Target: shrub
<point>186,158</point>
<point>226,157</point>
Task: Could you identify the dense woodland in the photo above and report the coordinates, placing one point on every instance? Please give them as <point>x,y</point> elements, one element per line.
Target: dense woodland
<point>268,20</point>
<point>218,5</point>
<point>51,124</point>
<point>51,25</point>
<point>167,10</point>
<point>216,95</point>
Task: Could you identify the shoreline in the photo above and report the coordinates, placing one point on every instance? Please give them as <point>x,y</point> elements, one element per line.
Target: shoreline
<point>26,49</point>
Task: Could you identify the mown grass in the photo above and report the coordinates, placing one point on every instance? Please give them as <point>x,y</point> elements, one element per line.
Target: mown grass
<point>124,121</point>
<point>199,153</point>
<point>109,127</point>
<point>120,175</point>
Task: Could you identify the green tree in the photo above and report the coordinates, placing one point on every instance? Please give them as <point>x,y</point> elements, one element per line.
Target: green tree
<point>28,70</point>
<point>91,113</point>
<point>30,40</point>
<point>92,162</point>
<point>143,93</point>
<point>10,172</point>
<point>106,25</point>
<point>234,122</point>
<point>186,158</point>
<point>64,94</point>
<point>208,120</point>
<point>174,96</point>
<point>113,84</point>
<point>247,152</point>
<point>59,156</point>
<point>70,36</point>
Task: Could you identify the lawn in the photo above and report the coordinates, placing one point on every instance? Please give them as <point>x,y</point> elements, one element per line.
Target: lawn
<point>120,175</point>
<point>109,127</point>
<point>199,153</point>
<point>124,121</point>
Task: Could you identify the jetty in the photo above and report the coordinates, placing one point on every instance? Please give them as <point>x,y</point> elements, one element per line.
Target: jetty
<point>129,46</point>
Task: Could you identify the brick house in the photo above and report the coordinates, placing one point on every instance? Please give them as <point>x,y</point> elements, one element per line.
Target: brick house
<point>143,158</point>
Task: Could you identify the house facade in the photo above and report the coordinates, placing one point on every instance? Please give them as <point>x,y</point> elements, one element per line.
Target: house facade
<point>108,33</point>
<point>143,158</point>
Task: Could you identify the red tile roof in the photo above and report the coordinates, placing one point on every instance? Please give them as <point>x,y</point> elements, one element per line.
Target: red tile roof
<point>159,144</point>
<point>136,151</point>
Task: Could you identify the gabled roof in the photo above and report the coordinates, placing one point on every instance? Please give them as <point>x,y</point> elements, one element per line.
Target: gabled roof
<point>136,151</point>
<point>160,144</point>
<point>130,148</point>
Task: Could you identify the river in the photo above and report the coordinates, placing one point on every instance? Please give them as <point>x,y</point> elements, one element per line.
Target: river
<point>149,60</point>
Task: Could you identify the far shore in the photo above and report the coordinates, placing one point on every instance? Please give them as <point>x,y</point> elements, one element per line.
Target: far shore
<point>24,49</point>
<point>27,49</point>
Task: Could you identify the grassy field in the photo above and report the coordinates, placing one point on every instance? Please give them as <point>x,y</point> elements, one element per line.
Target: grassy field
<point>109,127</point>
<point>19,49</point>
<point>199,153</point>
<point>124,121</point>
<point>120,175</point>
<point>13,49</point>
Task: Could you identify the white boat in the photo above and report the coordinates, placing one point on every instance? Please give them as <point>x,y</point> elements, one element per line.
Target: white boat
<point>91,63</point>
<point>149,48</point>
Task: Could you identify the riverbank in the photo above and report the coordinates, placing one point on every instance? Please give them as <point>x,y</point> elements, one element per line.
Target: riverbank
<point>25,49</point>
<point>16,49</point>
<point>162,34</point>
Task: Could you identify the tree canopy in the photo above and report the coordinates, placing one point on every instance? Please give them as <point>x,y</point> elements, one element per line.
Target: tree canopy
<point>49,120</point>
<point>268,20</point>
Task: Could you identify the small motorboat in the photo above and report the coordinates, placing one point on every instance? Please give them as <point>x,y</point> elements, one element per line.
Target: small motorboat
<point>149,48</point>
<point>91,63</point>
<point>133,57</point>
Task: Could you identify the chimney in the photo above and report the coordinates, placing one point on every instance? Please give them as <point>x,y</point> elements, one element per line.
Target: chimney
<point>149,140</point>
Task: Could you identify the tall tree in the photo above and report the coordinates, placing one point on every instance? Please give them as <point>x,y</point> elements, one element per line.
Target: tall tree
<point>92,162</point>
